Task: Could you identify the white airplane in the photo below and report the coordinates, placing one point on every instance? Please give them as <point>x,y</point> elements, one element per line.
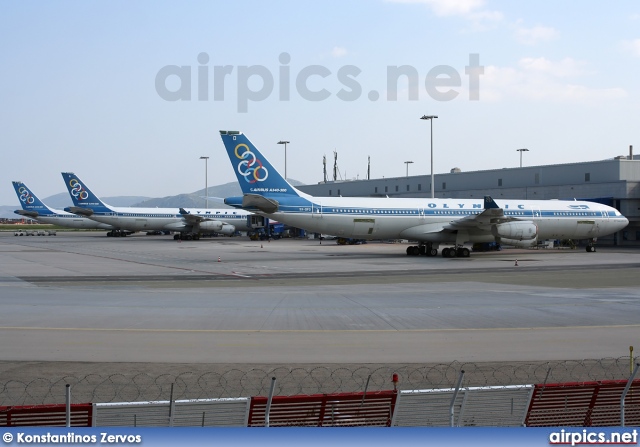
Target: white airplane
<point>453,223</point>
<point>33,207</point>
<point>189,223</point>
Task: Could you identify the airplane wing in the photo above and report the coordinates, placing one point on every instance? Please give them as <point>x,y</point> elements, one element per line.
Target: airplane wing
<point>491,215</point>
<point>193,218</point>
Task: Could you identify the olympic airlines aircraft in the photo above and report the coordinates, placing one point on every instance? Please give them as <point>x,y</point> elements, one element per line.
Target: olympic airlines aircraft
<point>33,207</point>
<point>190,223</point>
<point>454,223</point>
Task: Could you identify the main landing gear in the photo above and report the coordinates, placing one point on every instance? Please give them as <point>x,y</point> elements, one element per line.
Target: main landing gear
<point>429,250</point>
<point>591,247</point>
<point>117,233</point>
<point>453,252</point>
<point>422,249</point>
<point>186,236</point>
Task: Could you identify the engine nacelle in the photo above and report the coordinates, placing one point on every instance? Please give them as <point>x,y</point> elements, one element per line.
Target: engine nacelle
<point>227,230</point>
<point>209,226</point>
<point>516,231</point>
<point>517,243</point>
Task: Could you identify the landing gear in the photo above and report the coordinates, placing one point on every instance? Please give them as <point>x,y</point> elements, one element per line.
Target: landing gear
<point>591,248</point>
<point>422,249</point>
<point>116,233</point>
<point>460,252</point>
<point>186,236</point>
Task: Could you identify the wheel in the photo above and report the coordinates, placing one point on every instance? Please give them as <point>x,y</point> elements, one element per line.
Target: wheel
<point>409,250</point>
<point>464,252</point>
<point>445,252</point>
<point>415,251</point>
<point>422,250</point>
<point>452,253</point>
<point>176,237</point>
<point>433,252</point>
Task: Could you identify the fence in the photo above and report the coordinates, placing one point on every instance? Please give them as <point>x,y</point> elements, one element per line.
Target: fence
<point>46,415</point>
<point>220,381</point>
<point>473,407</point>
<point>181,413</point>
<point>591,404</point>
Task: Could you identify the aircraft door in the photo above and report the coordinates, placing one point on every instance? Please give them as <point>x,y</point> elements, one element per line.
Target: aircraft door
<point>316,212</point>
<point>535,212</point>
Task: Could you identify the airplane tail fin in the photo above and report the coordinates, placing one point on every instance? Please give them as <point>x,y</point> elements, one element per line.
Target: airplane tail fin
<point>255,174</point>
<point>29,201</point>
<point>81,195</point>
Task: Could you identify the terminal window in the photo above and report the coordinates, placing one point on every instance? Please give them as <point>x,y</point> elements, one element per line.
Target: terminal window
<point>407,187</point>
<point>419,186</point>
<point>587,177</point>
<point>396,188</point>
<point>499,182</point>
<point>376,189</point>
<point>444,185</point>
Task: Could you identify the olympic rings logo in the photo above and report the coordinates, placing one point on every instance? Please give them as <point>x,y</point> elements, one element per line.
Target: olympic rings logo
<point>25,195</point>
<point>250,167</point>
<point>77,190</point>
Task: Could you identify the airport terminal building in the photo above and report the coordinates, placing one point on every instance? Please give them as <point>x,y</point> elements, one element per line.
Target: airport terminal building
<point>613,182</point>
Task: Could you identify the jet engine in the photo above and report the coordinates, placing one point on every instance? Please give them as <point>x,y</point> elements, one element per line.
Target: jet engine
<point>227,229</point>
<point>517,231</point>
<point>215,226</point>
<point>518,243</point>
<point>209,226</point>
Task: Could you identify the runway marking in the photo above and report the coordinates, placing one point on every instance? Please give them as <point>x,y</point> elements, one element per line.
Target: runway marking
<point>544,328</point>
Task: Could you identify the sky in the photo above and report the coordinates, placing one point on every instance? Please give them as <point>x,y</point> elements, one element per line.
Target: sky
<point>130,95</point>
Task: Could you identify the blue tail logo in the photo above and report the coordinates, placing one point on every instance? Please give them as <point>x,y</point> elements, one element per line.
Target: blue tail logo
<point>254,172</point>
<point>77,190</point>
<point>81,195</point>
<point>250,167</point>
<point>29,200</point>
<point>25,195</point>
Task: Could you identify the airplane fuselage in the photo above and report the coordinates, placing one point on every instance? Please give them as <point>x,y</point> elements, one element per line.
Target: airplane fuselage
<point>442,220</point>
<point>144,219</point>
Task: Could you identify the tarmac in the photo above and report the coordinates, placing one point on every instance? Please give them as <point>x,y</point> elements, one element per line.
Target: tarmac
<point>80,303</point>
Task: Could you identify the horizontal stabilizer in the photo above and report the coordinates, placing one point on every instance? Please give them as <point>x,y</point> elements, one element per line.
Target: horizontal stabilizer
<point>265,205</point>
<point>27,213</point>
<point>79,211</point>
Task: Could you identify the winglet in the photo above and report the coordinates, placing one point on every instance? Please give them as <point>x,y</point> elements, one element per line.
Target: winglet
<point>489,203</point>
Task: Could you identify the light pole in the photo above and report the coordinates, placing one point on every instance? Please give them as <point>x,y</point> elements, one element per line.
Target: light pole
<point>408,163</point>
<point>285,156</point>
<point>521,151</point>
<point>206,182</point>
<point>431,118</point>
